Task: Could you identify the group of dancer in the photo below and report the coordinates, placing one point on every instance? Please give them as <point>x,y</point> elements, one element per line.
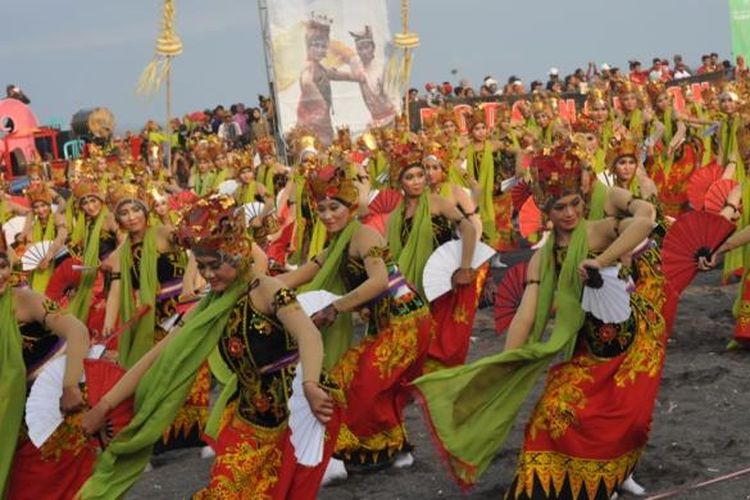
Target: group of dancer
<point>189,281</point>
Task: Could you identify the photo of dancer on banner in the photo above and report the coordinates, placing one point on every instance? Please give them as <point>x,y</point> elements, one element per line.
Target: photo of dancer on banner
<point>329,65</point>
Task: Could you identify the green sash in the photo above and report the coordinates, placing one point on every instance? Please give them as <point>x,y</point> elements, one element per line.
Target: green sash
<point>12,386</point>
<point>138,340</point>
<point>473,407</point>
<point>160,395</point>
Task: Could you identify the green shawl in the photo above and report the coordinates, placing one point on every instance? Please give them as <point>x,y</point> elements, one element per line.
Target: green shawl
<point>40,279</point>
<point>413,254</point>
<point>707,140</point>
<point>598,199</point>
<point>203,184</point>
<point>486,179</point>
<point>81,303</point>
<point>246,193</point>
<point>739,257</point>
<point>12,386</point>
<point>160,394</point>
<point>473,407</point>
<point>138,340</point>
<point>338,337</point>
<point>376,169</point>
<point>635,124</point>
<point>265,177</point>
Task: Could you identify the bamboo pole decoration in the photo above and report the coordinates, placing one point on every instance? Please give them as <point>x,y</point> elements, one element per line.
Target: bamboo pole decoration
<point>168,46</point>
<point>407,41</point>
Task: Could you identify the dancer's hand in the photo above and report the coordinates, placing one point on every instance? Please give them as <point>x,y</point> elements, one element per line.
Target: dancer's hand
<point>95,419</point>
<point>585,265</point>
<point>320,402</point>
<point>44,264</point>
<point>706,264</point>
<point>325,317</point>
<point>71,400</point>
<point>463,276</point>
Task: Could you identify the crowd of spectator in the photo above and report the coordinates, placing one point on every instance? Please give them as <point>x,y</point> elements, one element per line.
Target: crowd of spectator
<point>580,80</point>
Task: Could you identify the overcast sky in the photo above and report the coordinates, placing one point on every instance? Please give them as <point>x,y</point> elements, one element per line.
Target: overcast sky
<point>73,54</point>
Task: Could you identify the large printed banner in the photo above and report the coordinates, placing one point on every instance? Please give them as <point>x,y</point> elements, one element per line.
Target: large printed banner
<point>329,60</point>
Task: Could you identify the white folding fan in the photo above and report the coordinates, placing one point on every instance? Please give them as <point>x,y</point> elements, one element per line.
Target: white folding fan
<point>13,227</point>
<point>312,302</point>
<point>606,178</point>
<point>35,254</point>
<point>606,296</point>
<point>307,433</point>
<point>228,187</point>
<point>43,415</point>
<point>508,184</point>
<point>372,195</point>
<point>253,210</point>
<point>444,261</point>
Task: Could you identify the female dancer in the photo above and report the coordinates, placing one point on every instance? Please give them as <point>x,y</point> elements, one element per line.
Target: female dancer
<point>251,328</point>
<point>494,206</point>
<point>33,329</point>
<point>590,426</point>
<point>672,161</point>
<point>93,238</point>
<point>43,225</point>
<point>357,264</point>
<point>422,222</point>
<point>147,269</point>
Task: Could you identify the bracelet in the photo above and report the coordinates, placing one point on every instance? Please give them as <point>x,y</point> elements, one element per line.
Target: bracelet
<point>311,382</point>
<point>732,206</point>
<point>315,261</point>
<point>531,282</point>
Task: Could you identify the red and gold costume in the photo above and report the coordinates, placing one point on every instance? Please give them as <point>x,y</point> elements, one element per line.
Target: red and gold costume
<point>58,469</point>
<point>254,457</point>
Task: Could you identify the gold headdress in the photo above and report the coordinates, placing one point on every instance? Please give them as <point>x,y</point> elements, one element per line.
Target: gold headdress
<point>403,157</point>
<point>476,117</point>
<point>364,36</point>
<point>619,147</point>
<point>265,146</point>
<point>216,224</point>
<point>120,193</point>
<point>556,175</point>
<point>329,182</point>
<point>436,150</point>
<point>87,187</point>
<point>38,191</point>
<point>654,90</point>
<point>318,27</point>
<point>597,96</point>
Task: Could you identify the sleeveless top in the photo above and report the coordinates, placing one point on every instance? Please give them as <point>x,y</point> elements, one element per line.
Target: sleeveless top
<point>264,356</point>
<point>442,229</point>
<point>399,299</point>
<point>38,342</point>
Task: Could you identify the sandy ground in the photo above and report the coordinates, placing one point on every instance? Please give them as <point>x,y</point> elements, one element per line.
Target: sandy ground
<point>700,429</point>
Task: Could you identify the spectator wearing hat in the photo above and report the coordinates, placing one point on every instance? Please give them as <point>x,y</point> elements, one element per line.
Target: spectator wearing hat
<point>554,76</point>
